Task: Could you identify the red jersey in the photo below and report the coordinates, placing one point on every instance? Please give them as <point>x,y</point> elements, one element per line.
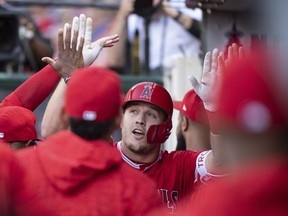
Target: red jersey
<point>14,195</point>
<point>175,174</point>
<point>74,176</point>
<point>256,189</point>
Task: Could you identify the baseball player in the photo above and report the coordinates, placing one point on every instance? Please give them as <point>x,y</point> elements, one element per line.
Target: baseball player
<point>79,172</point>
<point>193,132</point>
<point>145,125</point>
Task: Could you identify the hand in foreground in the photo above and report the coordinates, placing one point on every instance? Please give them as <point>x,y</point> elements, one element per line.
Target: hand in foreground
<point>213,68</point>
<point>75,49</point>
<point>210,84</point>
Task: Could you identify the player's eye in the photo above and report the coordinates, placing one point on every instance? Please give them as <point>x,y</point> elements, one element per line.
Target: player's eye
<point>152,115</point>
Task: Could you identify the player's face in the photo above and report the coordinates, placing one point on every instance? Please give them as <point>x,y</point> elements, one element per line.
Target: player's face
<point>136,121</point>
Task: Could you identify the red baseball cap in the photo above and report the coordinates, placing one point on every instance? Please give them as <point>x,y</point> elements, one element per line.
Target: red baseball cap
<point>192,107</point>
<point>248,99</point>
<point>17,124</point>
<point>93,94</point>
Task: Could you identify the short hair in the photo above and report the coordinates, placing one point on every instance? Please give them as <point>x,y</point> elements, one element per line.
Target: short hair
<point>91,130</point>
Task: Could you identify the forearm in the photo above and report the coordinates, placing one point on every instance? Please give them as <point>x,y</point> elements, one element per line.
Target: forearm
<point>51,121</point>
<point>216,160</point>
<point>191,25</point>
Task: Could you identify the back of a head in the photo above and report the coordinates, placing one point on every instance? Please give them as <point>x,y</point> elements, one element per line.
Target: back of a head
<point>17,124</point>
<point>193,108</point>
<point>93,102</point>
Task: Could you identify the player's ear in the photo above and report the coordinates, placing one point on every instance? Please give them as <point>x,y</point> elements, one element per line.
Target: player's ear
<point>184,123</point>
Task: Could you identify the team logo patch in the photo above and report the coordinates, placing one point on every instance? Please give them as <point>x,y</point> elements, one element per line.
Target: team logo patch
<point>146,92</point>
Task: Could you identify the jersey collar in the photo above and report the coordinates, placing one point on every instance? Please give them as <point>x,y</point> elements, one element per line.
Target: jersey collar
<point>141,166</point>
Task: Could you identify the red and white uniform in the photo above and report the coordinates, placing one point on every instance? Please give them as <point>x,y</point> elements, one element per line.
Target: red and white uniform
<point>175,174</point>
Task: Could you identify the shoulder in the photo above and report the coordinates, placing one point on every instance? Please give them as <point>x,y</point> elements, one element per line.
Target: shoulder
<point>181,155</point>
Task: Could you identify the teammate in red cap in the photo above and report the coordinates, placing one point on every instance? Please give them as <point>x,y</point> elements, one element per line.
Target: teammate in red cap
<point>33,92</point>
<point>193,132</point>
<point>79,172</point>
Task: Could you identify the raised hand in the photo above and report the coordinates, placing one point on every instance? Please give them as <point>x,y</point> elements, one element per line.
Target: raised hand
<point>234,52</point>
<point>69,52</point>
<point>210,84</point>
<point>75,49</point>
<point>92,50</point>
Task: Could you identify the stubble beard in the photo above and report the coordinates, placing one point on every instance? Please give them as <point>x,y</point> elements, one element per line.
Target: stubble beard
<point>137,149</point>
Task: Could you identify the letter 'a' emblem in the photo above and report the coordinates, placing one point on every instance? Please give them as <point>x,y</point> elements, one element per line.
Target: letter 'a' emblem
<point>146,92</point>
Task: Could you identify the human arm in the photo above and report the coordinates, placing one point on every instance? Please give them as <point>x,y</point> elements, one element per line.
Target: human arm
<point>34,44</point>
<point>191,25</point>
<point>51,119</point>
<point>116,55</point>
<point>208,91</point>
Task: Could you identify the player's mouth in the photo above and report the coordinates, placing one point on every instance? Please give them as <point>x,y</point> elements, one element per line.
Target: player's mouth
<point>138,132</point>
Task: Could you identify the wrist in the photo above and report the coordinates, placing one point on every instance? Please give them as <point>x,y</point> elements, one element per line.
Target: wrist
<point>177,16</point>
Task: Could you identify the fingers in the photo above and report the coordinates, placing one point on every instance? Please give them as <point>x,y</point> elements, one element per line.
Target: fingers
<point>214,63</point>
<point>75,27</point>
<point>112,41</point>
<point>74,40</point>
<point>61,40</point>
<point>234,52</point>
<point>195,84</point>
<point>221,63</point>
<point>67,36</point>
<point>82,24</point>
<point>81,45</point>
<point>108,41</point>
<point>241,52</point>
<point>49,61</point>
<point>207,63</point>
<point>88,32</point>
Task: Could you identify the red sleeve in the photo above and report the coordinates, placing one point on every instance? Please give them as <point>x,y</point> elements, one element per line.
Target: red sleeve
<point>34,90</point>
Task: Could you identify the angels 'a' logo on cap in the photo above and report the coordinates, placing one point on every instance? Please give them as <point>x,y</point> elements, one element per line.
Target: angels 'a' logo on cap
<point>146,92</point>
